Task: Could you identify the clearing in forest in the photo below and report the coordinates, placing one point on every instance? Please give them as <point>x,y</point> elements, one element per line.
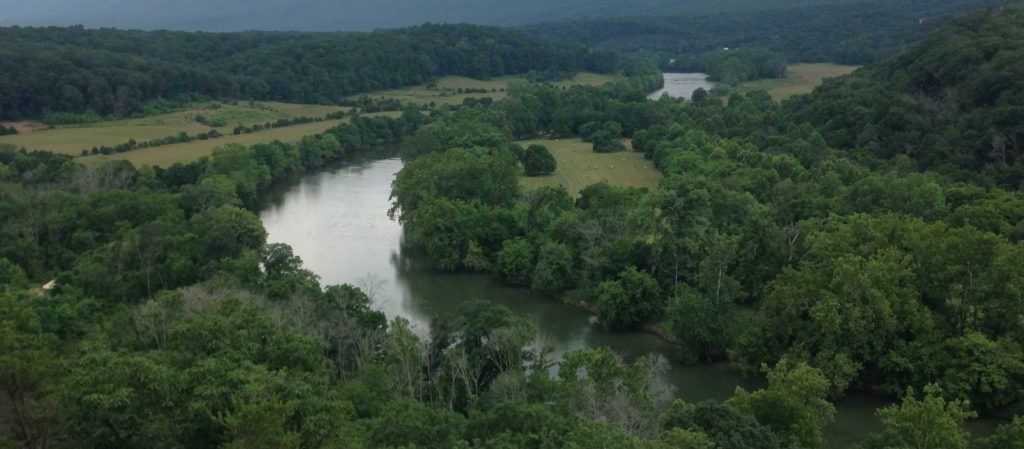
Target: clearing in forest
<point>579,166</point>
<point>167,155</point>
<point>800,79</point>
<point>72,139</point>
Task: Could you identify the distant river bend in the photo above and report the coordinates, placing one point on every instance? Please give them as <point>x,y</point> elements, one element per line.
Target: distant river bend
<point>682,85</point>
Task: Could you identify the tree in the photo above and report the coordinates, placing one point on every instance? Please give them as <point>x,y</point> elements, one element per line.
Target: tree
<point>1006,436</point>
<point>601,386</point>
<point>927,423</point>
<point>554,269</point>
<point>30,369</point>
<point>629,301</point>
<point>793,406</point>
<point>723,424</point>
<point>515,261</point>
<point>538,161</point>
<point>704,328</point>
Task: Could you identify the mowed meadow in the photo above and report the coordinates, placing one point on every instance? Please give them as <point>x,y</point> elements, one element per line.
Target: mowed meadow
<point>167,155</point>
<point>800,79</point>
<point>72,139</point>
<point>579,166</point>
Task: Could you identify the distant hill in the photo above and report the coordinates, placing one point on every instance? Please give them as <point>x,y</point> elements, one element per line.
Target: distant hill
<point>845,32</point>
<point>352,15</point>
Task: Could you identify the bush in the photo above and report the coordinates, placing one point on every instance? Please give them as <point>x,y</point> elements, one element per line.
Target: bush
<point>538,161</point>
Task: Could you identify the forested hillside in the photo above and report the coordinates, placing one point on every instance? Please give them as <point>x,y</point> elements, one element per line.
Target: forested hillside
<point>954,104</point>
<point>351,15</point>
<point>112,72</point>
<point>840,32</point>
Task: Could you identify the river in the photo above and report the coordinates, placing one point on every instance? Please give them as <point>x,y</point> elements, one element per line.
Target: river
<point>336,221</point>
<point>682,85</point>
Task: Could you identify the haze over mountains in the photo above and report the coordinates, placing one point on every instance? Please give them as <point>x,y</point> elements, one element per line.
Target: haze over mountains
<point>349,15</point>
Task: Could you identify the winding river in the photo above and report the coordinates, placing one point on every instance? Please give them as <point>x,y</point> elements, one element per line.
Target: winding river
<point>336,221</point>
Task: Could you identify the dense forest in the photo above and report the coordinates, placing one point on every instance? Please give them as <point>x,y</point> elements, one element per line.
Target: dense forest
<point>880,264</point>
<point>954,104</point>
<point>841,32</point>
<point>884,258</point>
<point>353,15</point>
<point>113,72</point>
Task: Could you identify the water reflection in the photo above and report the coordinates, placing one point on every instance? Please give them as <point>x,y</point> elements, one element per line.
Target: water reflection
<point>682,85</point>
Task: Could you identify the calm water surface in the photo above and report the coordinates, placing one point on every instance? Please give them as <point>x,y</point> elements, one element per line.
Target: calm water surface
<point>682,85</point>
<point>336,220</point>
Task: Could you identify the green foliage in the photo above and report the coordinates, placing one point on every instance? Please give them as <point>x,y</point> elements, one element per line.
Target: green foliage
<point>721,423</point>
<point>175,324</point>
<point>734,66</point>
<point>793,406</point>
<point>538,161</point>
<point>516,261</point>
<point>902,107</point>
<point>930,422</point>
<point>554,269</point>
<point>1008,436</point>
<point>845,32</point>
<point>629,301</point>
<point>408,423</point>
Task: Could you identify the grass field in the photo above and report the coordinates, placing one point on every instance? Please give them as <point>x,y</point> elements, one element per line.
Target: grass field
<point>446,91</point>
<point>72,139</point>
<point>579,166</point>
<point>800,79</point>
<point>167,155</point>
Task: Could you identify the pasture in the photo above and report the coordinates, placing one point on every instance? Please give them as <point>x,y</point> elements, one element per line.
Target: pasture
<point>800,79</point>
<point>72,139</point>
<point>579,166</point>
<point>167,155</point>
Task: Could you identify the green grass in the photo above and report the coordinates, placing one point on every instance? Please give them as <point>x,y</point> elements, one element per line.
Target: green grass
<point>72,139</point>
<point>579,166</point>
<point>446,91</point>
<point>167,155</point>
<point>800,79</point>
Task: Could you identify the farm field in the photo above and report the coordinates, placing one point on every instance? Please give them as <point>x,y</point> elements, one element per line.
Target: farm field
<point>446,91</point>
<point>800,79</point>
<point>579,166</point>
<point>72,139</point>
<point>167,155</point>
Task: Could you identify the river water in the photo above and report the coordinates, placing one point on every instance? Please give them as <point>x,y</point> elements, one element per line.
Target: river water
<point>682,85</point>
<point>336,221</point>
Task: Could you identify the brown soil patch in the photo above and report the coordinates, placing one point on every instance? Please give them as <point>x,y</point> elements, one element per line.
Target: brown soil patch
<point>26,126</point>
